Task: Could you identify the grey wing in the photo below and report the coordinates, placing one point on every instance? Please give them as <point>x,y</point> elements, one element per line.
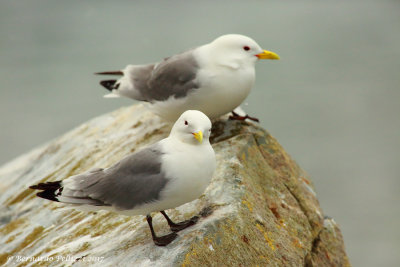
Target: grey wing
<point>135,180</point>
<point>175,76</point>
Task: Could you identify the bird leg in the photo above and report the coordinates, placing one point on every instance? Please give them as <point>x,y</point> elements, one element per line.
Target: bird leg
<point>160,240</point>
<point>176,227</point>
<point>236,116</point>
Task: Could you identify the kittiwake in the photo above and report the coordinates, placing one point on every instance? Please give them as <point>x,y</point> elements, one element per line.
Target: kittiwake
<point>214,78</point>
<point>165,175</point>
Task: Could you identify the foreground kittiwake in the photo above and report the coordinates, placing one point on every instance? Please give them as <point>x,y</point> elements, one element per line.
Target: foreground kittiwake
<point>165,175</point>
<point>214,78</point>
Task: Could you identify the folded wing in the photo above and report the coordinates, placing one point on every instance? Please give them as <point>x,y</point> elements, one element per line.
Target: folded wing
<point>135,180</point>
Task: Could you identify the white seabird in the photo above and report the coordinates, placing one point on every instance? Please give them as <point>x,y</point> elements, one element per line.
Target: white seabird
<point>165,175</point>
<point>214,78</point>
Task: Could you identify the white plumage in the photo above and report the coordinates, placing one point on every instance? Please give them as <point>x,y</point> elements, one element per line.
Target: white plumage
<point>165,175</point>
<point>214,78</point>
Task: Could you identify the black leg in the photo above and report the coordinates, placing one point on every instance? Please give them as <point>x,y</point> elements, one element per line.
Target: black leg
<point>160,240</point>
<point>236,116</point>
<point>176,227</point>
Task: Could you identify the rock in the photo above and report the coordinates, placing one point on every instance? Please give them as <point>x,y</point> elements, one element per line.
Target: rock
<point>259,210</point>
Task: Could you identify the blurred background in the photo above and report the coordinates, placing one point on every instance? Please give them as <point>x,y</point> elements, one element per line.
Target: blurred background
<point>332,100</point>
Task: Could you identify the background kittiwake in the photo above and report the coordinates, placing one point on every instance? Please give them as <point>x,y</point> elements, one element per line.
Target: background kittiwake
<point>214,78</point>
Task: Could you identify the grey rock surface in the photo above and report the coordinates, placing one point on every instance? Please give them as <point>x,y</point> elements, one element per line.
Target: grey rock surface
<point>259,210</point>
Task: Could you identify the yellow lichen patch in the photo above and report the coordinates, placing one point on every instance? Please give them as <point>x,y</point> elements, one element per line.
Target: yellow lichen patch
<point>294,232</point>
<point>83,247</point>
<point>32,237</point>
<point>196,253</point>
<point>40,236</point>
<point>263,258</point>
<point>139,241</point>
<point>207,241</point>
<point>103,228</point>
<point>11,226</point>
<point>28,194</point>
<point>74,217</point>
<point>98,225</point>
<point>11,239</point>
<point>129,227</point>
<point>4,258</point>
<point>297,243</point>
<point>80,232</point>
<point>190,256</point>
<point>228,244</point>
<point>46,250</point>
<point>248,205</point>
<point>21,196</point>
<point>266,237</point>
<point>186,261</point>
<point>273,145</point>
<point>281,224</point>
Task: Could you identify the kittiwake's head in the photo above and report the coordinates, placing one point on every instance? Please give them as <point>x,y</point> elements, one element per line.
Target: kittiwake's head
<point>192,127</point>
<point>238,48</point>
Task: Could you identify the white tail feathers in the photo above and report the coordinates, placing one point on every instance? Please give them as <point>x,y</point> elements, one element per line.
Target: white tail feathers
<point>113,94</point>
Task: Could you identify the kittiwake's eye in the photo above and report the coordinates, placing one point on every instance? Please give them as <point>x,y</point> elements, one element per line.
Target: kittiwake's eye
<point>246,48</point>
<point>186,123</point>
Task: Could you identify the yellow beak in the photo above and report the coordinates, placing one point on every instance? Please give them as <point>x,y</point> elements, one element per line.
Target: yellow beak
<point>267,55</point>
<point>198,136</point>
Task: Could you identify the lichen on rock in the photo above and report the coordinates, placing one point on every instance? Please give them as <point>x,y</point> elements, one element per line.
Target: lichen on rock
<point>260,209</point>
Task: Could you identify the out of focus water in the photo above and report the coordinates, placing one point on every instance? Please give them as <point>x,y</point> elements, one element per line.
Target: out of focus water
<point>332,100</point>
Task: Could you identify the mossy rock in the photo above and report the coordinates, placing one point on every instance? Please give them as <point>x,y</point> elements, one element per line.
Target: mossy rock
<point>260,209</point>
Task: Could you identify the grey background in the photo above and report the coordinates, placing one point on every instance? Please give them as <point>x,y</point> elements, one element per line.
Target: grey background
<point>332,101</point>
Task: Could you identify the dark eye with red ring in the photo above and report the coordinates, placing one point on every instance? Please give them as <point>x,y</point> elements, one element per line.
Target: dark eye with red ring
<point>186,123</point>
<point>246,48</point>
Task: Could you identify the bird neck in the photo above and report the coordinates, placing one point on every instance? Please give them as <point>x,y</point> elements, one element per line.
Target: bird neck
<point>209,57</point>
<point>189,141</point>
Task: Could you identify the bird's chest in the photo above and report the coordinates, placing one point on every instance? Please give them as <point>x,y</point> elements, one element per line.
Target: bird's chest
<point>226,82</point>
<point>189,174</point>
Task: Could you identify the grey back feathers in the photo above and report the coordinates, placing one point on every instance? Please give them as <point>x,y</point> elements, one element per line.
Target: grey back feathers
<point>135,180</point>
<point>175,76</point>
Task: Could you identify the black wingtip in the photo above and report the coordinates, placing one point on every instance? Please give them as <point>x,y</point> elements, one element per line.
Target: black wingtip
<point>117,72</point>
<point>48,194</point>
<point>109,84</point>
<point>49,190</point>
<point>46,186</point>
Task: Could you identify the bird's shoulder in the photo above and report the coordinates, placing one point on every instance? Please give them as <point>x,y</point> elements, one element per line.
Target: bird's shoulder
<point>144,160</point>
<point>179,67</point>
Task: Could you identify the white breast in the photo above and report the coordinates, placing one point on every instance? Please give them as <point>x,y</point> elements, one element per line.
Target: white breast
<point>190,172</point>
<point>223,89</point>
<point>220,92</point>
